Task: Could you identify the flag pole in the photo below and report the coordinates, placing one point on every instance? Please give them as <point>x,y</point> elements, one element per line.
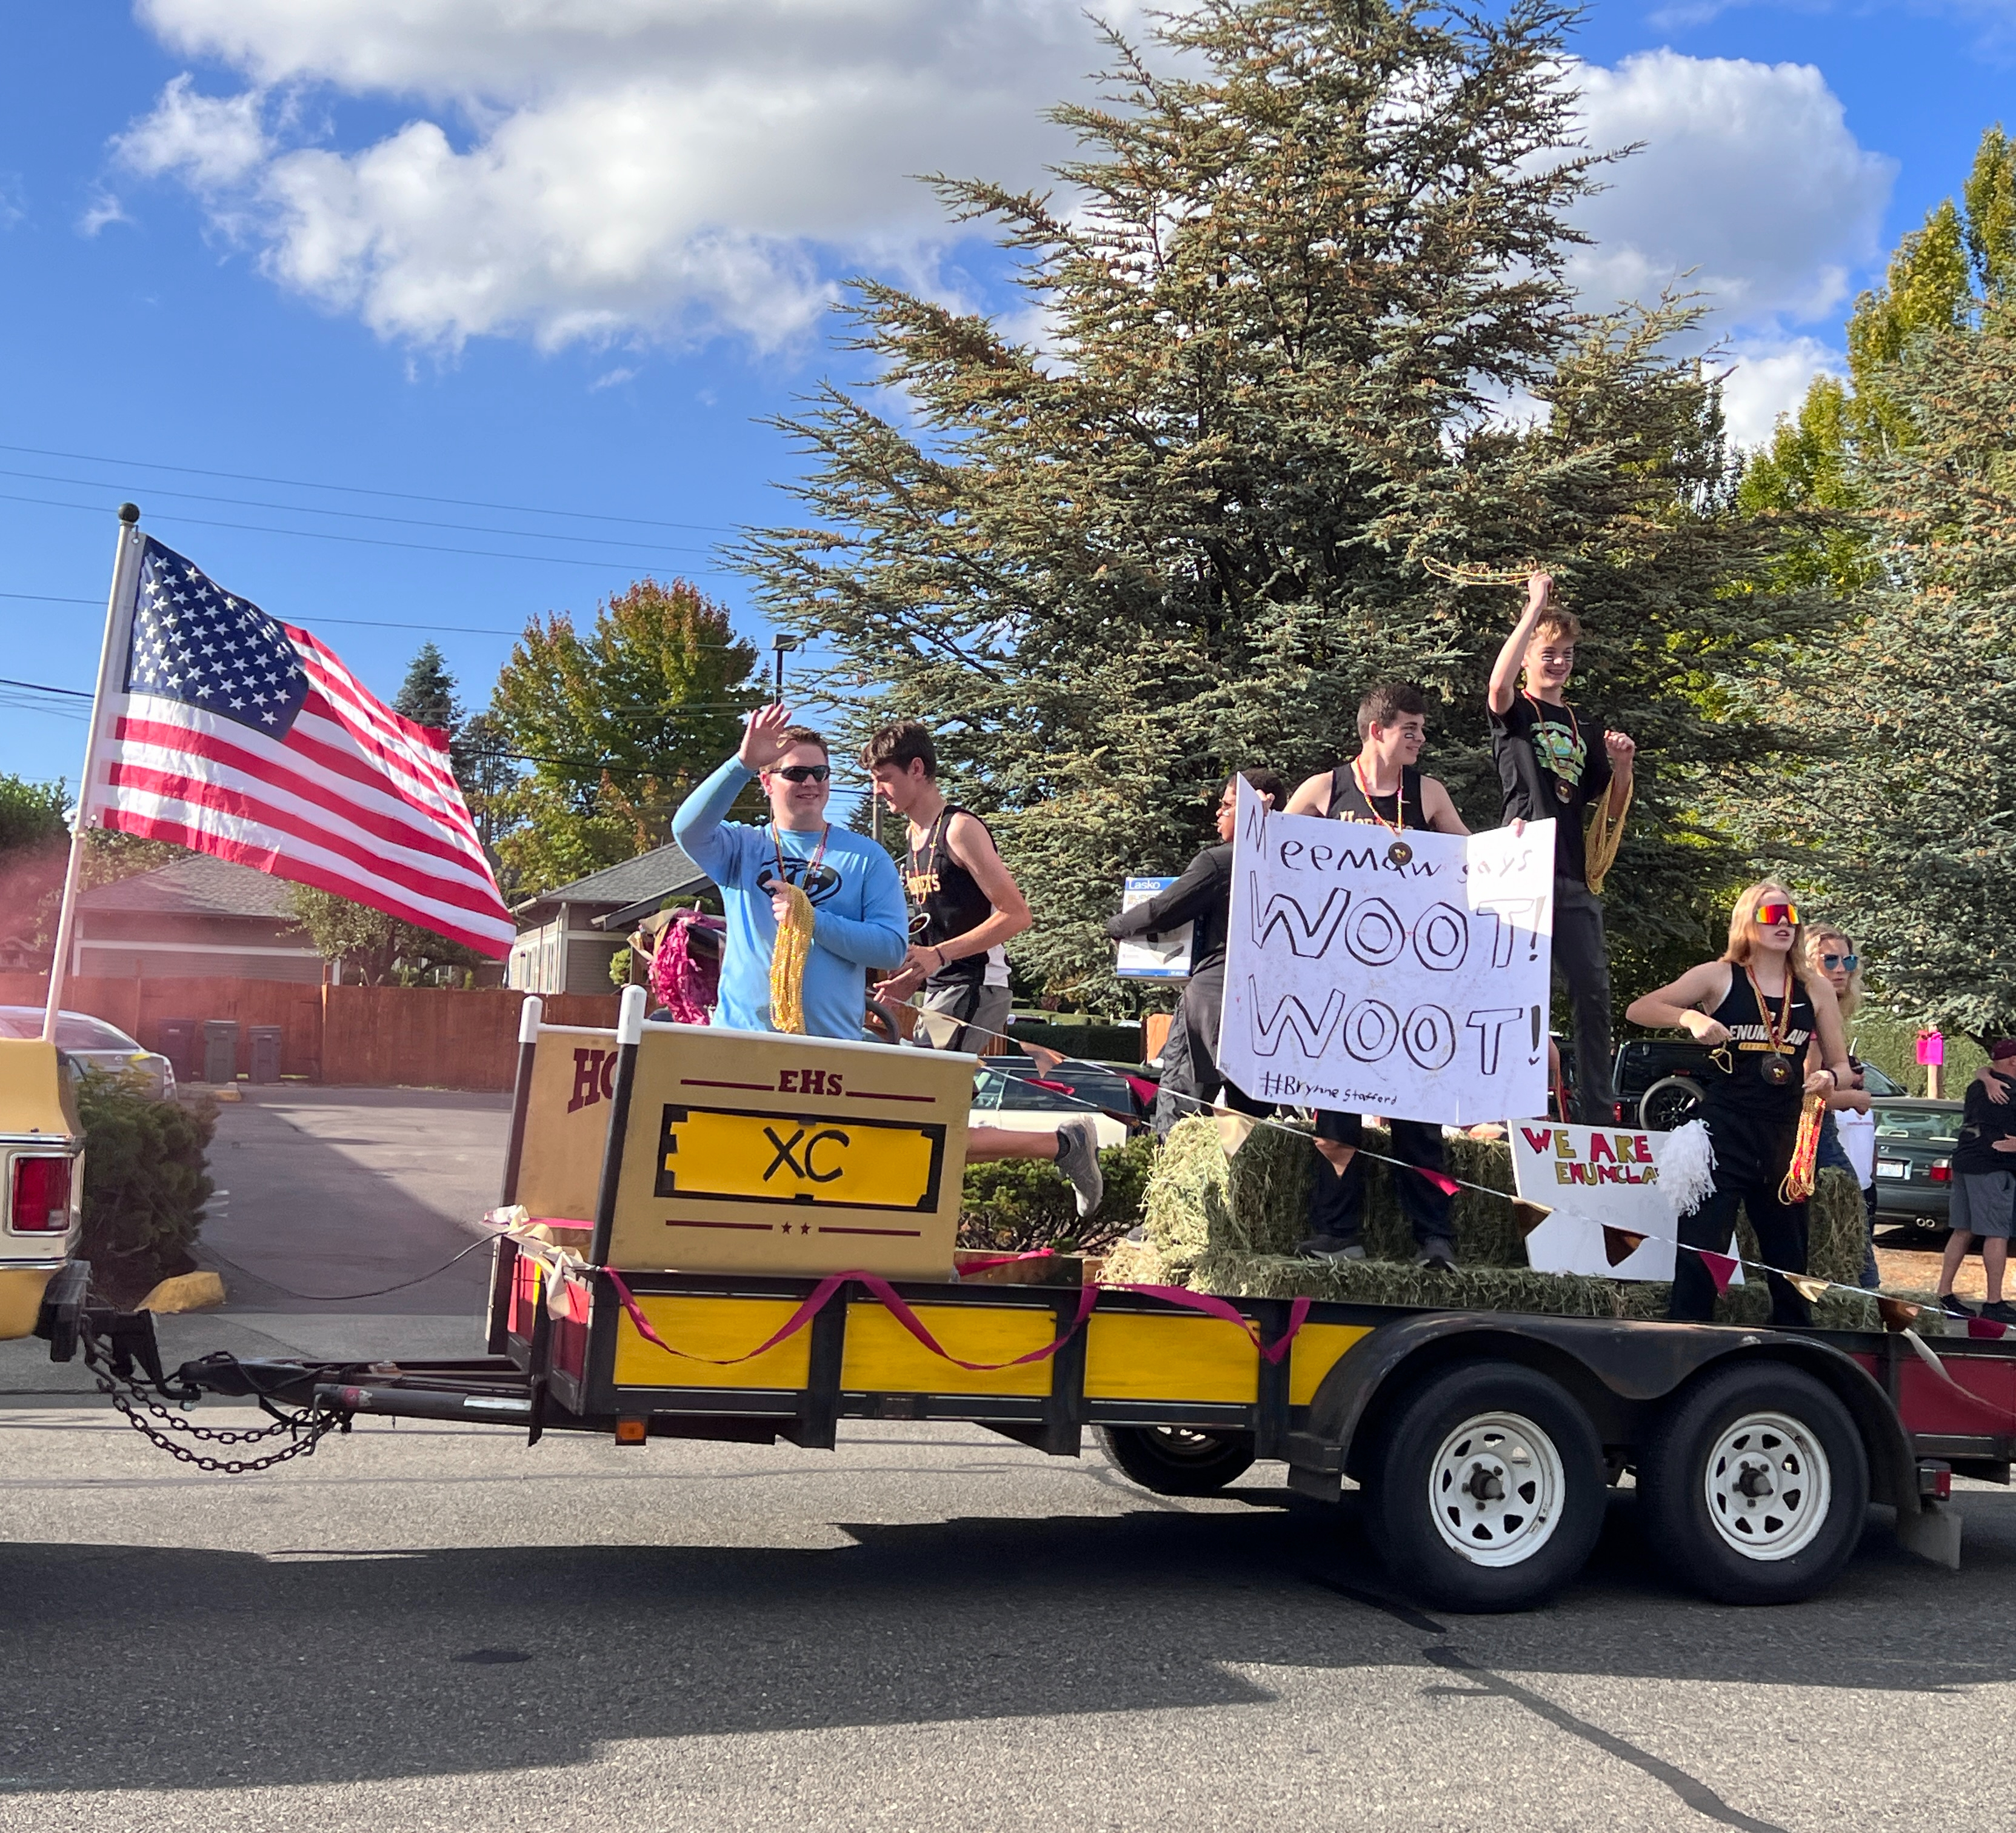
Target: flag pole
<point>118,628</point>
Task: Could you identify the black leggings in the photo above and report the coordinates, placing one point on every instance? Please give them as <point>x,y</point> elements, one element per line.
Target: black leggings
<point>1781,1236</point>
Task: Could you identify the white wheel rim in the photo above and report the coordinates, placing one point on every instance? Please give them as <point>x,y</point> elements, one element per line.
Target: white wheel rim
<point>1495,1489</point>
<point>1769,1485</point>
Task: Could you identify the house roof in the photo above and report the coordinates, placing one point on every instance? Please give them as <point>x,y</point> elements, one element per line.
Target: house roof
<point>199,886</point>
<point>663,872</point>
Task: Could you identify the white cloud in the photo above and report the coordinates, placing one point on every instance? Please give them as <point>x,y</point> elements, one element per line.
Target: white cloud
<point>207,142</point>
<point>606,167</point>
<point>1749,177</point>
<point>101,212</point>
<point>1768,378</point>
<point>601,171</point>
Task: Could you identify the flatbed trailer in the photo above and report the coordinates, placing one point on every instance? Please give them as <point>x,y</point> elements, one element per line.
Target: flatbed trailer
<point>1486,1442</point>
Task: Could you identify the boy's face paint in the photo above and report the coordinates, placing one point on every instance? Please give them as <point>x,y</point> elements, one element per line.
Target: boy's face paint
<point>1549,661</point>
<point>1402,741</point>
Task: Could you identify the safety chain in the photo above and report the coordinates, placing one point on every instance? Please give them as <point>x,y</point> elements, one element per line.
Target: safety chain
<point>305,1430</point>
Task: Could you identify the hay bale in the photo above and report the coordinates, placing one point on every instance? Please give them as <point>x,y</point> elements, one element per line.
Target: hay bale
<point>1257,1202</point>
<point>1386,1282</point>
<point>1137,1263</point>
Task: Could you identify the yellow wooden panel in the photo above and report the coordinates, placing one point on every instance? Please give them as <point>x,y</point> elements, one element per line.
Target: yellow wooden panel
<point>882,1357</point>
<point>711,1326</point>
<point>820,1160</point>
<point>1315,1353</point>
<point>1132,1356</point>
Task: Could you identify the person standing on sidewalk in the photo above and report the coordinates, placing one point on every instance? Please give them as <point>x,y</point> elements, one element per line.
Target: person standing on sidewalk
<point>964,904</point>
<point>1552,766</point>
<point>1983,1203</point>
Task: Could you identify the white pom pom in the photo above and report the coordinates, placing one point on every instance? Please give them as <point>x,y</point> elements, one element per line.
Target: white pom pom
<point>1686,1158</point>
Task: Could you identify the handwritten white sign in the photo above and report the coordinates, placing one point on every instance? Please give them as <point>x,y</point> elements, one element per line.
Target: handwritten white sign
<point>1379,973</point>
<point>1589,1175</point>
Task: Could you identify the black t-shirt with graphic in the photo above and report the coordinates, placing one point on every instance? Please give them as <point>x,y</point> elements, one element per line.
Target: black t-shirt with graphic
<point>1552,765</point>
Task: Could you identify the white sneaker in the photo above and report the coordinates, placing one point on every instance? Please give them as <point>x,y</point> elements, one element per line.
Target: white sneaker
<point>1078,1159</point>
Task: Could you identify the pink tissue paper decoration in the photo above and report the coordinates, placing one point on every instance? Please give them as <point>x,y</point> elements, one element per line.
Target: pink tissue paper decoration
<point>684,980</point>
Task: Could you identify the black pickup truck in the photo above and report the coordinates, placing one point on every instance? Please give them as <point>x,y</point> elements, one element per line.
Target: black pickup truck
<point>1659,1082</point>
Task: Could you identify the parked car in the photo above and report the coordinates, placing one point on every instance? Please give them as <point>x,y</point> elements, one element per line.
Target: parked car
<point>1013,1092</point>
<point>1914,1145</point>
<point>92,1043</point>
<point>1659,1082</point>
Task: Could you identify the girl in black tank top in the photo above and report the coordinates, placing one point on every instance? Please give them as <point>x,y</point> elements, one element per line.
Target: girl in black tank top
<point>1348,802</point>
<point>1752,1086</point>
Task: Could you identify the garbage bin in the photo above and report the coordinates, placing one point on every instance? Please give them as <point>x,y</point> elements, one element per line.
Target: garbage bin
<point>178,1046</point>
<point>220,1050</point>
<point>266,1052</point>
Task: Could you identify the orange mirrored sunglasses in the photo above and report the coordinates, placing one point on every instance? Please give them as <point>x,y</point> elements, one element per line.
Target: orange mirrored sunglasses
<point>1770,916</point>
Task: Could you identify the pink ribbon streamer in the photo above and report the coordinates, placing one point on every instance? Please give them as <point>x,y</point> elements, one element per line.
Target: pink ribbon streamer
<point>817,1299</point>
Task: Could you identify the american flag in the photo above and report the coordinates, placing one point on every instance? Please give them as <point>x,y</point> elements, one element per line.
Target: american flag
<point>238,735</point>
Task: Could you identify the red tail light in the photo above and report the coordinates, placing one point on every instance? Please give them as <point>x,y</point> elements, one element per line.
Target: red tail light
<point>1941,1170</point>
<point>41,1204</point>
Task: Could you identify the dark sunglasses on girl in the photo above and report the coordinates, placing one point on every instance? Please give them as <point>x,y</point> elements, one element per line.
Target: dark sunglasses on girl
<point>1847,964</point>
<point>1770,916</point>
<point>806,772</point>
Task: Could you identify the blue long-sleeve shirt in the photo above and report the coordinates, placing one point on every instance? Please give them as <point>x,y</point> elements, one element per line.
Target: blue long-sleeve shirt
<point>859,918</point>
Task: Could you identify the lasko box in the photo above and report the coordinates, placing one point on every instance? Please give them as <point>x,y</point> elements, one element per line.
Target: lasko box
<point>750,1151</point>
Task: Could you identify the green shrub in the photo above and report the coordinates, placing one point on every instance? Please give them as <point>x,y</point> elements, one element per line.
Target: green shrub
<point>1013,1205</point>
<point>145,1181</point>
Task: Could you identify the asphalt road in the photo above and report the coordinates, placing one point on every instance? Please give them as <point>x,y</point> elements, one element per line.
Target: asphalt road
<point>440,1628</point>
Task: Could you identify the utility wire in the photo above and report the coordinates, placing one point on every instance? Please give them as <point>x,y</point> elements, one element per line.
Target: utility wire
<point>304,509</point>
<point>358,490</point>
<point>549,560</point>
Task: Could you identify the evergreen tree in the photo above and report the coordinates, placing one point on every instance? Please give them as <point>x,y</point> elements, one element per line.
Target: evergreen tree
<point>615,727</point>
<point>1899,816</point>
<point>1306,266</point>
<point>427,694</point>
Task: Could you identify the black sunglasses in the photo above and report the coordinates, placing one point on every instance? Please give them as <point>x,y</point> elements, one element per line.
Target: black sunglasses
<point>1849,962</point>
<point>806,772</point>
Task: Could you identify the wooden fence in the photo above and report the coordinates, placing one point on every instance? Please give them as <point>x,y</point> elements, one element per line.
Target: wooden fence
<point>375,1036</point>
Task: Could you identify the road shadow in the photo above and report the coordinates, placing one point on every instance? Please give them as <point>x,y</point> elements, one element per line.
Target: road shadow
<point>172,1668</point>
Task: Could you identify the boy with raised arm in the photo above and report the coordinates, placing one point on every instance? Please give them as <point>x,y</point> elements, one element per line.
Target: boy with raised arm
<point>1553,767</point>
<point>859,919</point>
<point>1381,787</point>
<point>965,904</point>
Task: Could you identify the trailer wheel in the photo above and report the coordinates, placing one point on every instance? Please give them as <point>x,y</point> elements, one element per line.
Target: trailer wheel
<point>1173,1460</point>
<point>1755,1486</point>
<point>1488,1488</point>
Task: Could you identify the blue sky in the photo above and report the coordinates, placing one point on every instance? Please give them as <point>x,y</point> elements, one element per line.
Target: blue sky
<point>411,246</point>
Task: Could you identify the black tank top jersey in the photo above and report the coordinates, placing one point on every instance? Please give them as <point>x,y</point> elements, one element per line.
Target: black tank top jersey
<point>1348,802</point>
<point>946,900</point>
<point>1752,1123</point>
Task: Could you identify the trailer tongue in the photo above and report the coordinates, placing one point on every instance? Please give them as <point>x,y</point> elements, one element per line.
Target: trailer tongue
<point>715,1235</point>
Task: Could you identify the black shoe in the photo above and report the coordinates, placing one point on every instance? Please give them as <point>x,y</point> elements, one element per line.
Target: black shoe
<point>2000,1311</point>
<point>1953,1307</point>
<point>1437,1255</point>
<point>1330,1247</point>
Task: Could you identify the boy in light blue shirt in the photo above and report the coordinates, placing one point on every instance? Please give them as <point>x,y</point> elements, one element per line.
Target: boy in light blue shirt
<point>859,919</point>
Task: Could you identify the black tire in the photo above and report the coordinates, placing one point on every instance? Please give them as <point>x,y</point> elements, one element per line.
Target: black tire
<point>1669,1103</point>
<point>1173,1460</point>
<point>1502,1423</point>
<point>1802,1446</point>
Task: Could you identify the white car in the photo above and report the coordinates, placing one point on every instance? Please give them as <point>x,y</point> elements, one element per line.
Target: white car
<point>1017,1093</point>
<point>94,1044</point>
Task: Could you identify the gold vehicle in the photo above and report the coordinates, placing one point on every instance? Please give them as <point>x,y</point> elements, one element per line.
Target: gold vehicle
<point>42,1146</point>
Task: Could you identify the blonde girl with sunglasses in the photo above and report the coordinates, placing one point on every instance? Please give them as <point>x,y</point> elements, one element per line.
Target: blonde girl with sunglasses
<point>1849,1140</point>
<point>1759,1010</point>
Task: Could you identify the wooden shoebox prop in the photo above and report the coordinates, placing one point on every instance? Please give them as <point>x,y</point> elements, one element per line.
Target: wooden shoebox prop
<point>754,1152</point>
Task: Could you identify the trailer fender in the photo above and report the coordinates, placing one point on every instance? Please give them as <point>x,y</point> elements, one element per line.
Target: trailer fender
<point>1621,1371</point>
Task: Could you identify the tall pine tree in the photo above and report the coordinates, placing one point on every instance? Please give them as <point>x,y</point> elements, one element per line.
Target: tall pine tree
<point>1304,330</point>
